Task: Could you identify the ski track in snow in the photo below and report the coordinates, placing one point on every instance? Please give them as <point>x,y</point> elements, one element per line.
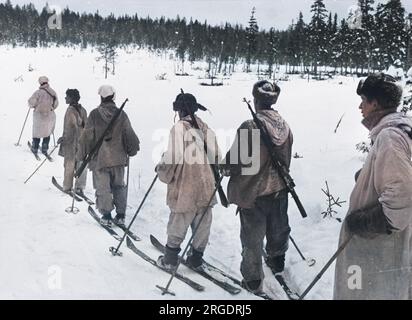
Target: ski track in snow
<point>39,240</point>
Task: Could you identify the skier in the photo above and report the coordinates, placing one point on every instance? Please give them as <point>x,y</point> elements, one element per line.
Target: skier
<point>376,263</point>
<point>112,157</point>
<point>74,123</point>
<point>261,195</point>
<point>44,101</point>
<point>190,183</point>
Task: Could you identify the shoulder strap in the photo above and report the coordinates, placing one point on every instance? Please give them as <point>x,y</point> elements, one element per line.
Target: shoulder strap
<point>189,121</point>
<point>54,97</point>
<point>78,110</point>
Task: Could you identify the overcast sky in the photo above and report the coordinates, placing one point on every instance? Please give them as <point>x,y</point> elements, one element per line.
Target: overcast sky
<point>269,13</point>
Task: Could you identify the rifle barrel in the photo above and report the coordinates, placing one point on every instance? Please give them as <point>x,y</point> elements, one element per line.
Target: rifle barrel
<point>284,174</point>
<point>222,195</point>
<point>99,142</point>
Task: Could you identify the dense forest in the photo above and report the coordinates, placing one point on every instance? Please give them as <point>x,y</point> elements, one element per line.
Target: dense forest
<point>373,37</point>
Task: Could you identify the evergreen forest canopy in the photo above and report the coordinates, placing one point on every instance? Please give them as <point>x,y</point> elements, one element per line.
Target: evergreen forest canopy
<point>381,37</point>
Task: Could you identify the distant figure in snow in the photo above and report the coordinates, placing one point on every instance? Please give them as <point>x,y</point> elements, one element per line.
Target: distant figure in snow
<point>376,263</point>
<point>44,101</point>
<point>190,183</point>
<point>74,123</point>
<point>262,198</point>
<point>111,159</point>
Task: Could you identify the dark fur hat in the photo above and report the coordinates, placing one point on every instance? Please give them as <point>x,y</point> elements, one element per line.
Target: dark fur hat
<point>266,93</point>
<point>383,88</point>
<point>187,100</point>
<point>74,94</point>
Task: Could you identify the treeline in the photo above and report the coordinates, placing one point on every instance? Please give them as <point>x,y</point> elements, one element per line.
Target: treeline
<point>374,37</point>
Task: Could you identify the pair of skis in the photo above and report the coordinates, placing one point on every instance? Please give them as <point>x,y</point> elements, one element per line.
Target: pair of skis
<point>196,286</point>
<point>36,154</point>
<point>210,272</point>
<point>110,230</point>
<point>214,274</point>
<point>79,197</point>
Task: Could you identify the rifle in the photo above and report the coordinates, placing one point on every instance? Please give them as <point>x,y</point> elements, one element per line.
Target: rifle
<point>99,142</point>
<point>280,167</point>
<point>215,170</point>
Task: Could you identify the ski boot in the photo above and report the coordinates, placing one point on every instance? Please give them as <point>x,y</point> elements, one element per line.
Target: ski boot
<point>254,286</point>
<point>276,264</point>
<point>106,219</point>
<point>119,220</point>
<point>170,259</point>
<point>194,259</point>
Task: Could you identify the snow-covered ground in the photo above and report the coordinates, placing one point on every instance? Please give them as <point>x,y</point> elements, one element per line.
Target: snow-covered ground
<point>49,254</point>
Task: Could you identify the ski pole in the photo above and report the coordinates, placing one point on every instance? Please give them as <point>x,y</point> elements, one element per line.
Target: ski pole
<point>22,129</point>
<point>72,208</point>
<point>40,165</point>
<point>127,179</point>
<point>115,251</point>
<point>166,289</point>
<point>310,262</point>
<point>317,278</point>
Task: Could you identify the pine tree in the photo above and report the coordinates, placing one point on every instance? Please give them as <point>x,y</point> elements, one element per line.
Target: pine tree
<point>329,41</point>
<point>251,37</point>
<point>183,44</point>
<point>367,32</point>
<point>334,40</point>
<point>272,51</point>
<point>108,54</point>
<point>366,8</point>
<point>343,46</point>
<point>391,35</point>
<point>302,35</point>
<point>317,34</point>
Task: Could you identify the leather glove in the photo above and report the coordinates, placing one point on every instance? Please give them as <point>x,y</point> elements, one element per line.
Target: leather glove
<point>60,140</point>
<point>369,222</point>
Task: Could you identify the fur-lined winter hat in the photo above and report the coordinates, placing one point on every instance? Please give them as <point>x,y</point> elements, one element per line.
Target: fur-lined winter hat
<point>266,93</point>
<point>383,88</point>
<point>74,94</point>
<point>43,80</point>
<point>183,101</point>
<point>106,91</point>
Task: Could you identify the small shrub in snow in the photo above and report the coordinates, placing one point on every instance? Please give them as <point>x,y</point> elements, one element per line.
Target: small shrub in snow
<point>161,76</point>
<point>332,203</point>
